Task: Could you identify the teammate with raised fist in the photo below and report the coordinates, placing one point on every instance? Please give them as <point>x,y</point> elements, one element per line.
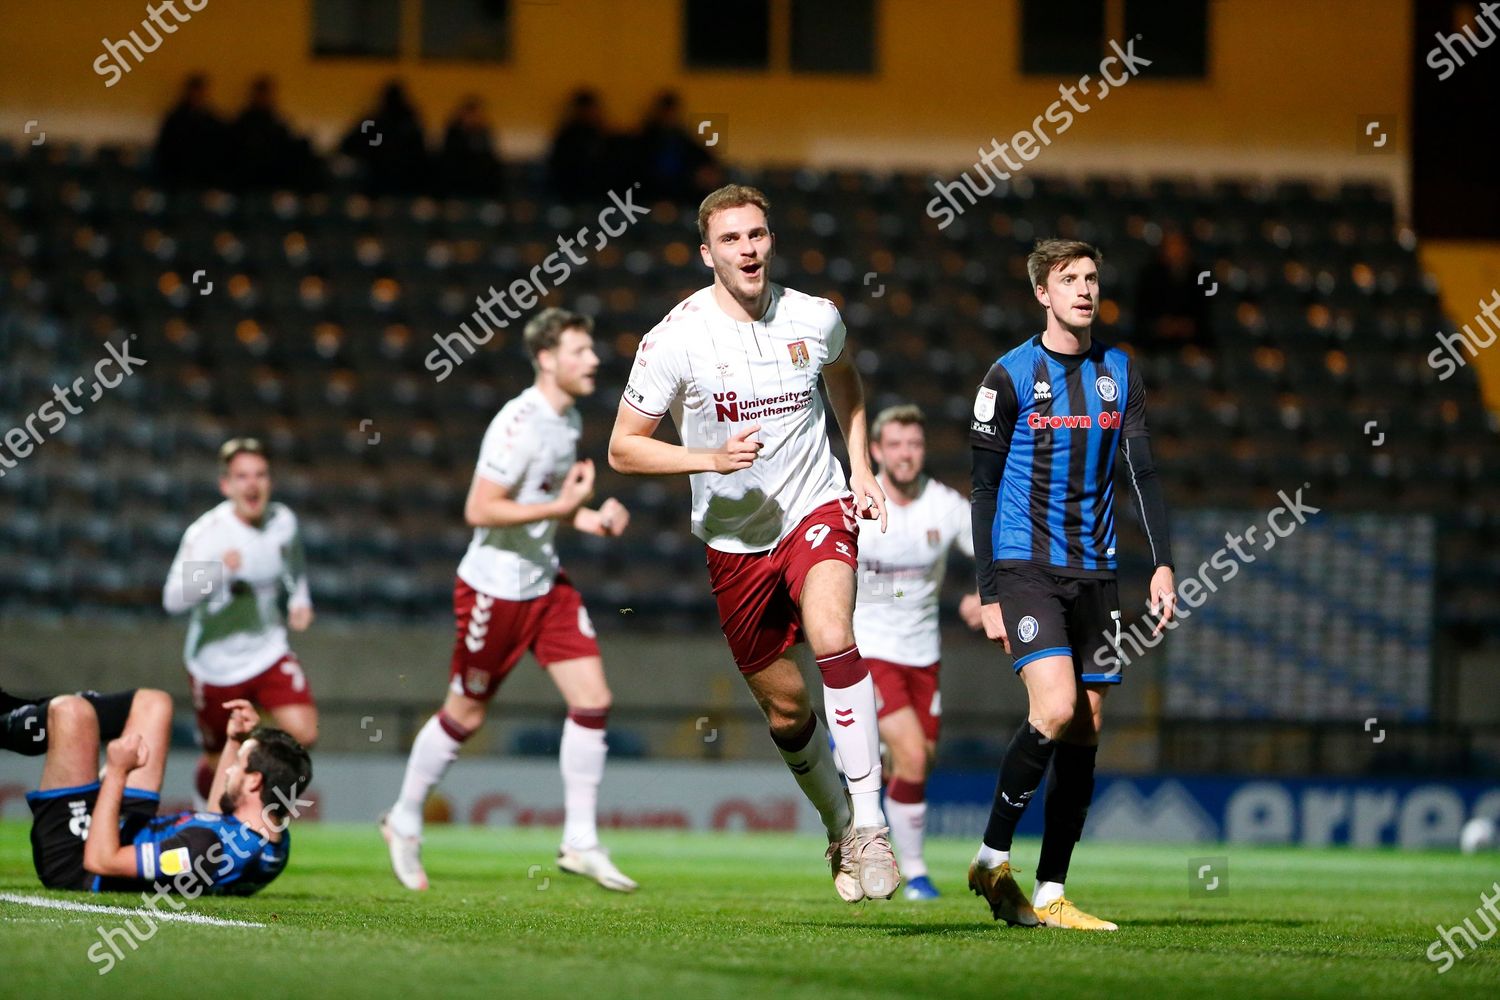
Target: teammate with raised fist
<point>512,596</point>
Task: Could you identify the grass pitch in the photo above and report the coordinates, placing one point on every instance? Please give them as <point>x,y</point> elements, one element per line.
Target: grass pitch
<point>755,916</point>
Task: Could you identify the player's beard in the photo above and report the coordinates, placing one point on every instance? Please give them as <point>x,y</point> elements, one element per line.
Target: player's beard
<point>228,802</point>
<point>906,486</point>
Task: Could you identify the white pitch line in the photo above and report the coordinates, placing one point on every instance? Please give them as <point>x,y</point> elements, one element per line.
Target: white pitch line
<point>165,915</point>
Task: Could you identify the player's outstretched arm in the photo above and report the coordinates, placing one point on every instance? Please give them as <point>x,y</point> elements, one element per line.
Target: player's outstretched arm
<point>846,398</point>
<point>633,451</point>
<point>489,504</point>
<point>102,852</point>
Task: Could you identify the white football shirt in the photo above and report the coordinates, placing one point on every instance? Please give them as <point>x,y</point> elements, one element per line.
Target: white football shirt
<point>528,449</point>
<point>716,375</point>
<point>236,630</point>
<point>901,573</point>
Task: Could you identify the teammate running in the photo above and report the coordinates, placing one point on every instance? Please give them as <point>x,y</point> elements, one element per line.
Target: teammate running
<point>738,365</point>
<point>896,621</point>
<point>1048,420</point>
<point>99,832</point>
<point>232,570</point>
<point>512,595</point>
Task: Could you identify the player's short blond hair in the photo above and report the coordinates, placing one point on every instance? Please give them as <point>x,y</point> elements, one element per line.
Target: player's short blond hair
<point>1049,254</point>
<point>730,196</point>
<point>234,447</point>
<point>905,413</point>
<point>545,329</point>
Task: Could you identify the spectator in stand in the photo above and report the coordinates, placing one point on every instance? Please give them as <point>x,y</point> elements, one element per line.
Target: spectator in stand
<point>189,150</point>
<point>580,166</point>
<point>267,153</point>
<point>390,143</point>
<point>469,165</point>
<point>673,162</point>
<point>1170,308</point>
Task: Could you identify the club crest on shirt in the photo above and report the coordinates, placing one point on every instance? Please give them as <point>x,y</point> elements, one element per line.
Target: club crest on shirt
<point>934,536</point>
<point>1107,389</point>
<point>984,404</point>
<point>798,350</point>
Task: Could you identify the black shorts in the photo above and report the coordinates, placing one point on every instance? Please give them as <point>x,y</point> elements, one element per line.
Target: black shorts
<point>1050,615</point>
<point>60,825</point>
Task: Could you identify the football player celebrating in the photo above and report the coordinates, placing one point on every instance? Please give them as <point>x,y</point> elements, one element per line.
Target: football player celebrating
<point>511,595</point>
<point>896,621</point>
<point>232,569</point>
<point>1048,420</point>
<point>738,365</point>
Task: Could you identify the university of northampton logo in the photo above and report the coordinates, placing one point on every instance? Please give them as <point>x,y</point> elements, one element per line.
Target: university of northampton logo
<point>798,350</point>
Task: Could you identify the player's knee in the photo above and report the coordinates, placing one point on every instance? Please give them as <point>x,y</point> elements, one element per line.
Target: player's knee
<point>152,702</point>
<point>909,762</point>
<point>832,637</point>
<point>304,731</point>
<point>1052,721</point>
<point>597,700</point>
<point>69,713</point>
<point>466,712</point>
<point>785,723</point>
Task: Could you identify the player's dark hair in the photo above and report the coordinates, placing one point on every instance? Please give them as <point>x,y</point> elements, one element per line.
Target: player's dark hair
<point>239,446</point>
<point>284,767</point>
<point>544,330</point>
<point>730,196</point>
<point>1049,254</point>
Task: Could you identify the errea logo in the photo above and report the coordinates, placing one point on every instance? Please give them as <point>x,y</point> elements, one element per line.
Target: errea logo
<point>1042,390</point>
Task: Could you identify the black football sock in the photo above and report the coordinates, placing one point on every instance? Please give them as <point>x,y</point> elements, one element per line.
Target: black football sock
<point>9,702</point>
<point>23,729</point>
<point>1020,775</point>
<point>112,709</point>
<point>1068,798</point>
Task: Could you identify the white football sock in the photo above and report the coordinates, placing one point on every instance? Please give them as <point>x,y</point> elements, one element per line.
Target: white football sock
<point>1045,893</point>
<point>991,858</point>
<point>818,777</point>
<point>582,763</point>
<point>431,753</point>
<point>856,738</point>
<point>907,820</point>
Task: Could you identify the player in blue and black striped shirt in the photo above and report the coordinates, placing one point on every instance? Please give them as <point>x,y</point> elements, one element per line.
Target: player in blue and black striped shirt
<point>101,832</point>
<point>1049,419</point>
